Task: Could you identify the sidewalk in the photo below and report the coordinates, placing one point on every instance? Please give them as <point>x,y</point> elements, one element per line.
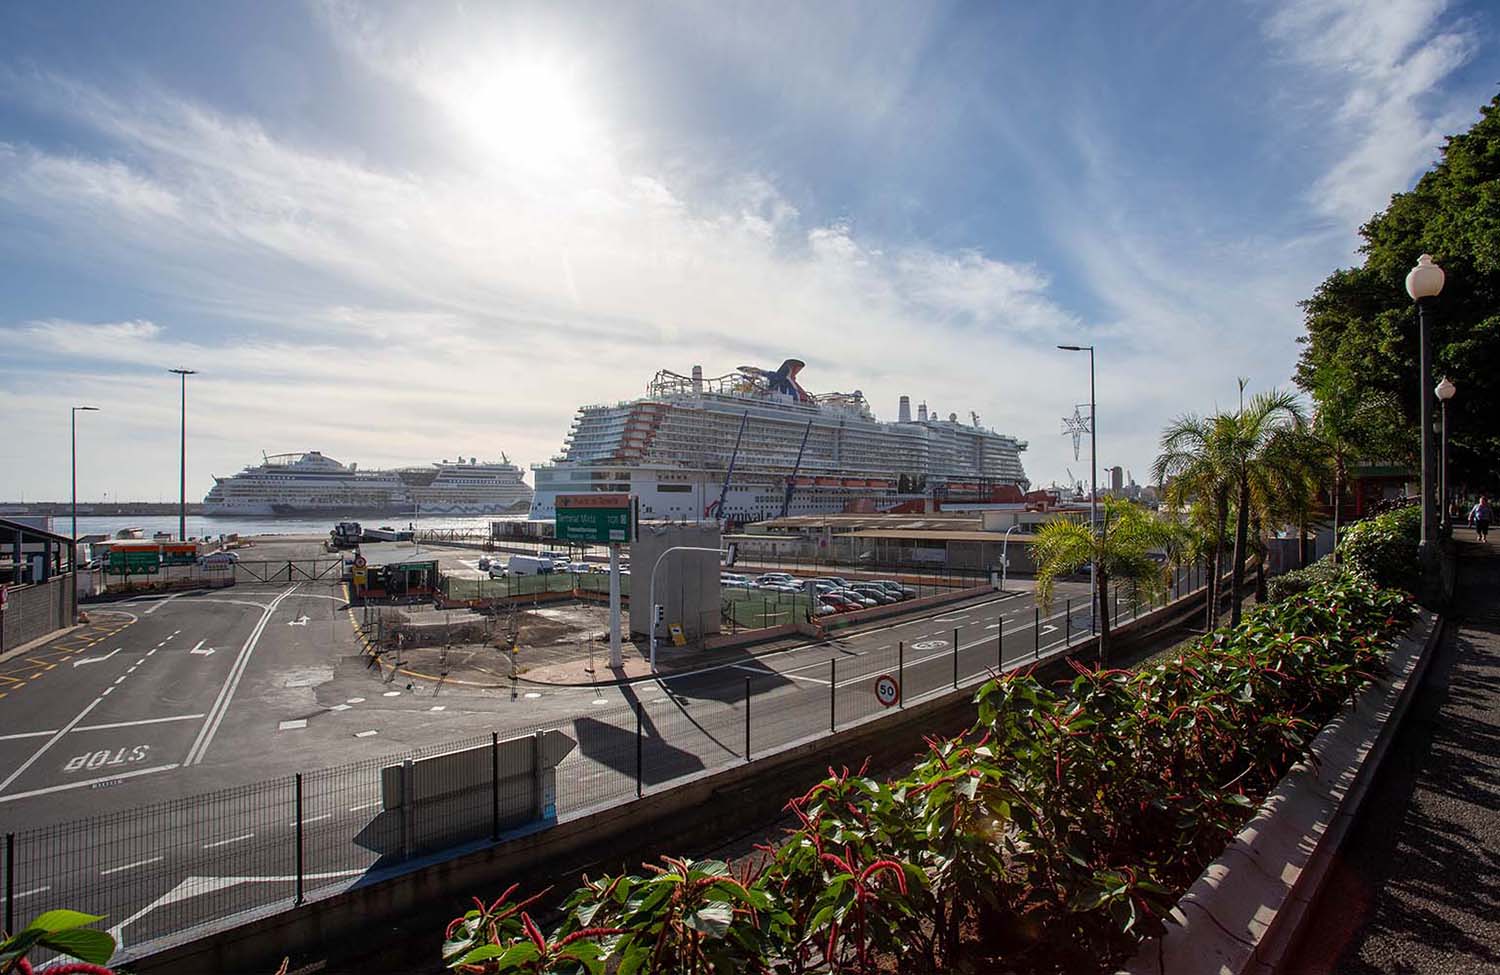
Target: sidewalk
<point>1418,886</point>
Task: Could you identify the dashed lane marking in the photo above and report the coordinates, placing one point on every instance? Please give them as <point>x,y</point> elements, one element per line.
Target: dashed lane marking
<point>292,725</point>
<point>131,866</point>
<point>365,734</point>
<point>233,839</point>
<point>35,890</point>
<point>364,805</point>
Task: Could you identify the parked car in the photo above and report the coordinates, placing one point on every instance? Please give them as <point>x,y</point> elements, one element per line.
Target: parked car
<point>856,597</point>
<point>880,594</point>
<point>733,580</point>
<point>219,558</point>
<point>579,567</point>
<point>839,581</point>
<point>498,571</point>
<point>483,563</point>
<point>823,609</point>
<point>779,578</point>
<point>529,565</point>
<point>787,588</point>
<point>839,603</point>
<point>900,591</point>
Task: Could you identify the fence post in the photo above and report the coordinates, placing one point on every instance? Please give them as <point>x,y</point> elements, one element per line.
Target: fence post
<point>494,785</point>
<point>1000,644</point>
<point>833,686</point>
<point>1067,622</point>
<point>10,883</point>
<point>538,793</point>
<point>955,658</point>
<point>406,810</point>
<point>901,671</point>
<point>1036,631</point>
<point>638,756</point>
<point>298,901</point>
<point>747,719</point>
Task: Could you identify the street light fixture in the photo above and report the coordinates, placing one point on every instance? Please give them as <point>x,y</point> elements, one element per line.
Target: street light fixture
<point>182,469</point>
<point>1093,482</point>
<point>1444,393</point>
<point>73,423</point>
<point>1424,283</point>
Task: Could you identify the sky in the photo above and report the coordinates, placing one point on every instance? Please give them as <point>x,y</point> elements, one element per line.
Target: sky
<point>398,233</point>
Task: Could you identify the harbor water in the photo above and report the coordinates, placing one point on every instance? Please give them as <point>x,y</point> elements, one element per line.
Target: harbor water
<point>201,526</point>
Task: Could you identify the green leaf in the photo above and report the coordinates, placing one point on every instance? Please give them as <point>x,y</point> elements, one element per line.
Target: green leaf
<point>85,944</point>
<point>712,920</point>
<point>61,920</point>
<point>485,953</point>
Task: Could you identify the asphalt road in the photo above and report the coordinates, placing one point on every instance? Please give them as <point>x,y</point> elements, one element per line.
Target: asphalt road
<point>148,765</point>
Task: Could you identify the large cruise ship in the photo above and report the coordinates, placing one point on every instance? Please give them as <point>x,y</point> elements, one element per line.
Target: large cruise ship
<point>675,447</point>
<point>310,483</point>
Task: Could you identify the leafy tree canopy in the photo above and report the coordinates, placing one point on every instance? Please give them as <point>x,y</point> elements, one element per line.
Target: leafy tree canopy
<point>1359,355</point>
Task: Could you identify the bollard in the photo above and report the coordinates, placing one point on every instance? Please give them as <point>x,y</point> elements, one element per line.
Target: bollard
<point>298,900</point>
<point>747,719</point>
<point>833,686</point>
<point>901,671</point>
<point>955,658</point>
<point>638,757</point>
<point>494,785</point>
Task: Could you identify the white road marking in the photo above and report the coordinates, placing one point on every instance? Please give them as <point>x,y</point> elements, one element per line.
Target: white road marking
<point>200,651</point>
<point>119,680</point>
<point>780,673</point>
<point>438,707</point>
<point>95,660</point>
<point>140,661</point>
<point>35,890</point>
<point>531,695</point>
<point>356,700</point>
<point>392,694</point>
<point>132,724</point>
<point>236,839</point>
<point>105,692</point>
<point>231,683</point>
<point>87,782</point>
<point>365,734</point>
<point>339,707</point>
<point>198,886</point>
<point>50,742</point>
<point>28,734</point>
<point>131,866</point>
<point>364,805</point>
<point>160,603</point>
<point>312,819</point>
<point>299,621</point>
<point>132,669</point>
<point>152,652</point>
<point>292,725</point>
<point>599,700</point>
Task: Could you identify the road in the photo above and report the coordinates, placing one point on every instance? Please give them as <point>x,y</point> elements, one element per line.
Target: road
<point>148,764</point>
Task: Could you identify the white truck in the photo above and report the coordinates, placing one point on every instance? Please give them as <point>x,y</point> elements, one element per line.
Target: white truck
<point>528,565</point>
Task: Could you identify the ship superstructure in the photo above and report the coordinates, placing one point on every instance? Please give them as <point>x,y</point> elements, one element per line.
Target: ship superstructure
<point>673,448</point>
<point>311,483</point>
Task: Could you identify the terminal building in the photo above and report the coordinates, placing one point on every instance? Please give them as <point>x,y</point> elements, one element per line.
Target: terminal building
<point>38,582</point>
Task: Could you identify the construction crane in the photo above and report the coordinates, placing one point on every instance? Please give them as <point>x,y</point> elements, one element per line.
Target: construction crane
<point>717,509</point>
<point>791,482</point>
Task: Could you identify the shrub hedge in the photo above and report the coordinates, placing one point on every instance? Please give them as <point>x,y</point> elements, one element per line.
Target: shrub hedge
<point>1053,836</point>
<point>1383,549</point>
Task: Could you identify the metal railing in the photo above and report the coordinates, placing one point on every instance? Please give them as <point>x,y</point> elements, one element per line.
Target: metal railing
<point>192,865</point>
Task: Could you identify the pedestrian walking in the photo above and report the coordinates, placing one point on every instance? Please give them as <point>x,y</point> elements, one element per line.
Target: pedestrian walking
<point>1480,517</point>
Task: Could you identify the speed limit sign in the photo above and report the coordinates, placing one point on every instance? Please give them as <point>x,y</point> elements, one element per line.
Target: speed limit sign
<point>887,690</point>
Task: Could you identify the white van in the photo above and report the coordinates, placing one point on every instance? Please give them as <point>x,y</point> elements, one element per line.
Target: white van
<point>528,565</point>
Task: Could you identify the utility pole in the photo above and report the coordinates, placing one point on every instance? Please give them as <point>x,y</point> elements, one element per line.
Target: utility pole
<point>182,468</point>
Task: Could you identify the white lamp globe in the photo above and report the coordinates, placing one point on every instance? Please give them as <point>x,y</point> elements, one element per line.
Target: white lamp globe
<point>1425,280</point>
<point>1445,389</point>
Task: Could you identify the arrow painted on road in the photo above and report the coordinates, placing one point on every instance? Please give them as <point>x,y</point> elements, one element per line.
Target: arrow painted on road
<point>299,621</point>
<point>94,660</point>
<point>201,650</point>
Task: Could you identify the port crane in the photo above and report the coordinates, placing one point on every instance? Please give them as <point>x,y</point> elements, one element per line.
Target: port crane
<point>791,482</point>
<point>717,508</point>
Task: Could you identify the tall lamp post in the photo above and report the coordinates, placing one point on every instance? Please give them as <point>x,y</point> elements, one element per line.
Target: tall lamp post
<point>182,469</point>
<point>73,422</point>
<point>1424,283</point>
<point>1444,392</point>
<point>1093,481</point>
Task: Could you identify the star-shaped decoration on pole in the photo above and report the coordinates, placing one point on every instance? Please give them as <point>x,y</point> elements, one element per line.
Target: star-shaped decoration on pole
<point>1078,424</point>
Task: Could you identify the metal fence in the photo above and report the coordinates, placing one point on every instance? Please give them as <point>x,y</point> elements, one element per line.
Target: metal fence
<point>194,864</point>
<point>213,574</point>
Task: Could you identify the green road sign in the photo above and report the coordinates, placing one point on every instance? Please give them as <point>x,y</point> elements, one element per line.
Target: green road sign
<point>601,518</point>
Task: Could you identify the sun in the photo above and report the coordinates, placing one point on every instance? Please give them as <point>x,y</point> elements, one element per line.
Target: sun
<point>525,112</point>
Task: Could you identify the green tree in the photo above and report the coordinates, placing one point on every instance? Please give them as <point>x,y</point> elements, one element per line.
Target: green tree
<point>1361,327</point>
<point>1194,468</point>
<point>1120,548</point>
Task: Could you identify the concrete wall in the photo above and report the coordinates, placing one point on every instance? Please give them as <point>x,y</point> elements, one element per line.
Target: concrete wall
<point>34,611</point>
<point>687,583</point>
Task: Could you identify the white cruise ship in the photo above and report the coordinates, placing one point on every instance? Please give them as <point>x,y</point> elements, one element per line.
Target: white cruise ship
<point>310,483</point>
<point>673,449</point>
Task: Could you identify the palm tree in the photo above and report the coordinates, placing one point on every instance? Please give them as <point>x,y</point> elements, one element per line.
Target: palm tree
<point>1264,430</point>
<point>1195,467</point>
<point>1119,549</point>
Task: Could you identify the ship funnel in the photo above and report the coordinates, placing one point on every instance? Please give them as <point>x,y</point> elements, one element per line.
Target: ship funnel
<point>952,417</point>
<point>697,379</point>
<point>922,412</point>
<point>904,414</point>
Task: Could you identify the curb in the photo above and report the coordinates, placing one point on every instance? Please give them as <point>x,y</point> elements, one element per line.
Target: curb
<point>1243,913</point>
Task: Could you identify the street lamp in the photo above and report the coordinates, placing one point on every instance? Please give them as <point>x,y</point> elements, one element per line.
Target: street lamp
<point>73,422</point>
<point>182,469</point>
<point>1444,392</point>
<point>1093,481</point>
<point>1424,283</point>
